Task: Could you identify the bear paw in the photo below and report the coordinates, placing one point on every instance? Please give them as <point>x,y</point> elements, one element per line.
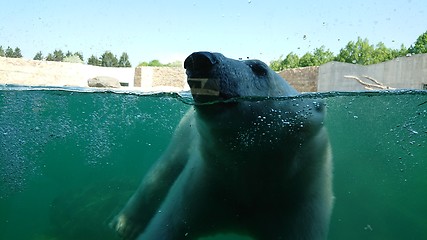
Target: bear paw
<point>125,227</point>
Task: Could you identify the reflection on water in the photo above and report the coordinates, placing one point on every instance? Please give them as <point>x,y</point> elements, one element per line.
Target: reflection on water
<point>69,160</point>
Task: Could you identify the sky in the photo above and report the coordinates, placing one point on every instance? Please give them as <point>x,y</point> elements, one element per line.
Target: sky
<point>171,30</point>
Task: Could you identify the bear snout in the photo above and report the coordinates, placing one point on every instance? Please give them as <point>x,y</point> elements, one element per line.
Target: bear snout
<point>203,87</point>
<point>200,62</point>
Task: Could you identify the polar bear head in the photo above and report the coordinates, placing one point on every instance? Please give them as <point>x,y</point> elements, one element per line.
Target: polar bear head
<point>216,81</point>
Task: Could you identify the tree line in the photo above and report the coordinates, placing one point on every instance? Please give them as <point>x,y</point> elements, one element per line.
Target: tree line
<point>10,53</point>
<point>107,59</point>
<point>157,63</point>
<point>357,52</point>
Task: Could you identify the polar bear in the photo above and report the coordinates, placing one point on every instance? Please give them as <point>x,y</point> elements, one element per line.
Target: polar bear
<point>258,166</point>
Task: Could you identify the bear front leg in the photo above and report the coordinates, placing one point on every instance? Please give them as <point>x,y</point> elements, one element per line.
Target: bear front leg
<point>142,206</point>
<point>146,200</point>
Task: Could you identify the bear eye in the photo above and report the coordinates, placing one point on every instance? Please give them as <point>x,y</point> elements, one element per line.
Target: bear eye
<point>258,69</point>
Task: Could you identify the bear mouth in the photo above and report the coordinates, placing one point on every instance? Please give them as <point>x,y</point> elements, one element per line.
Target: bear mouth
<point>204,84</point>
<point>207,90</point>
<point>204,87</point>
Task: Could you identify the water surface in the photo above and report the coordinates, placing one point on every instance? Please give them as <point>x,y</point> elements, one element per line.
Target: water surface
<point>70,158</point>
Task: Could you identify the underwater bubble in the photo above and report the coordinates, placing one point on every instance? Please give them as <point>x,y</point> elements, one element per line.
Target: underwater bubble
<point>368,227</point>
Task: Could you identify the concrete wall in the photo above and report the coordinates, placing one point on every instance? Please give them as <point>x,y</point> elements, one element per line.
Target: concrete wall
<point>404,72</point>
<point>302,79</point>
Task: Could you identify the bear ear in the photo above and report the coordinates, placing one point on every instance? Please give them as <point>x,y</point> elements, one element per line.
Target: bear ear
<point>259,68</point>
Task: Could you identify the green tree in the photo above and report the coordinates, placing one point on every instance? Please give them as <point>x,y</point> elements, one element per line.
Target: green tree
<point>38,56</point>
<point>291,61</point>
<point>73,59</point>
<point>17,53</point>
<point>80,55</point>
<point>93,60</point>
<point>152,63</point>
<point>108,59</point>
<point>58,55</point>
<point>72,56</point>
<point>124,61</point>
<point>9,52</point>
<point>155,63</point>
<point>359,52</point>
<point>317,58</point>
<point>381,53</point>
<point>68,54</point>
<point>50,57</point>
<point>306,60</point>
<point>1,51</point>
<point>420,45</point>
<point>403,51</point>
<point>322,56</point>
<point>276,65</point>
<point>174,64</point>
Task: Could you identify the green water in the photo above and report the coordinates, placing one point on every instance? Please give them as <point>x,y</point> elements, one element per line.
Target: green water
<point>69,160</point>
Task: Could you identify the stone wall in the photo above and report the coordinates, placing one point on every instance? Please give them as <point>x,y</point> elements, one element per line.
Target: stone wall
<point>302,79</point>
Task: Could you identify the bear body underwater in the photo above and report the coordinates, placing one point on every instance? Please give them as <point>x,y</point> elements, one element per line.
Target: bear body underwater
<point>256,167</point>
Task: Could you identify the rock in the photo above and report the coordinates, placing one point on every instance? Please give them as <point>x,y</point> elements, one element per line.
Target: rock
<point>103,82</point>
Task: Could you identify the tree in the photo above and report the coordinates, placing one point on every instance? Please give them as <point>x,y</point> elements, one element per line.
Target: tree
<point>155,63</point>
<point>108,59</point>
<point>359,52</point>
<point>71,56</point>
<point>38,56</point>
<point>381,53</point>
<point>80,55</point>
<point>152,63</point>
<point>420,45</point>
<point>291,61</point>
<point>73,59</point>
<point>306,60</point>
<point>93,61</point>
<point>50,57</point>
<point>17,53</point>
<point>322,56</point>
<point>68,54</point>
<point>276,65</point>
<point>174,64</point>
<point>124,61</point>
<point>58,55</point>
<point>399,52</point>
<point>1,51</point>
<point>9,52</point>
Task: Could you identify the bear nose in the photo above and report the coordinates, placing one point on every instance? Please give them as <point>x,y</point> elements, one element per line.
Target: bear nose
<point>200,61</point>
